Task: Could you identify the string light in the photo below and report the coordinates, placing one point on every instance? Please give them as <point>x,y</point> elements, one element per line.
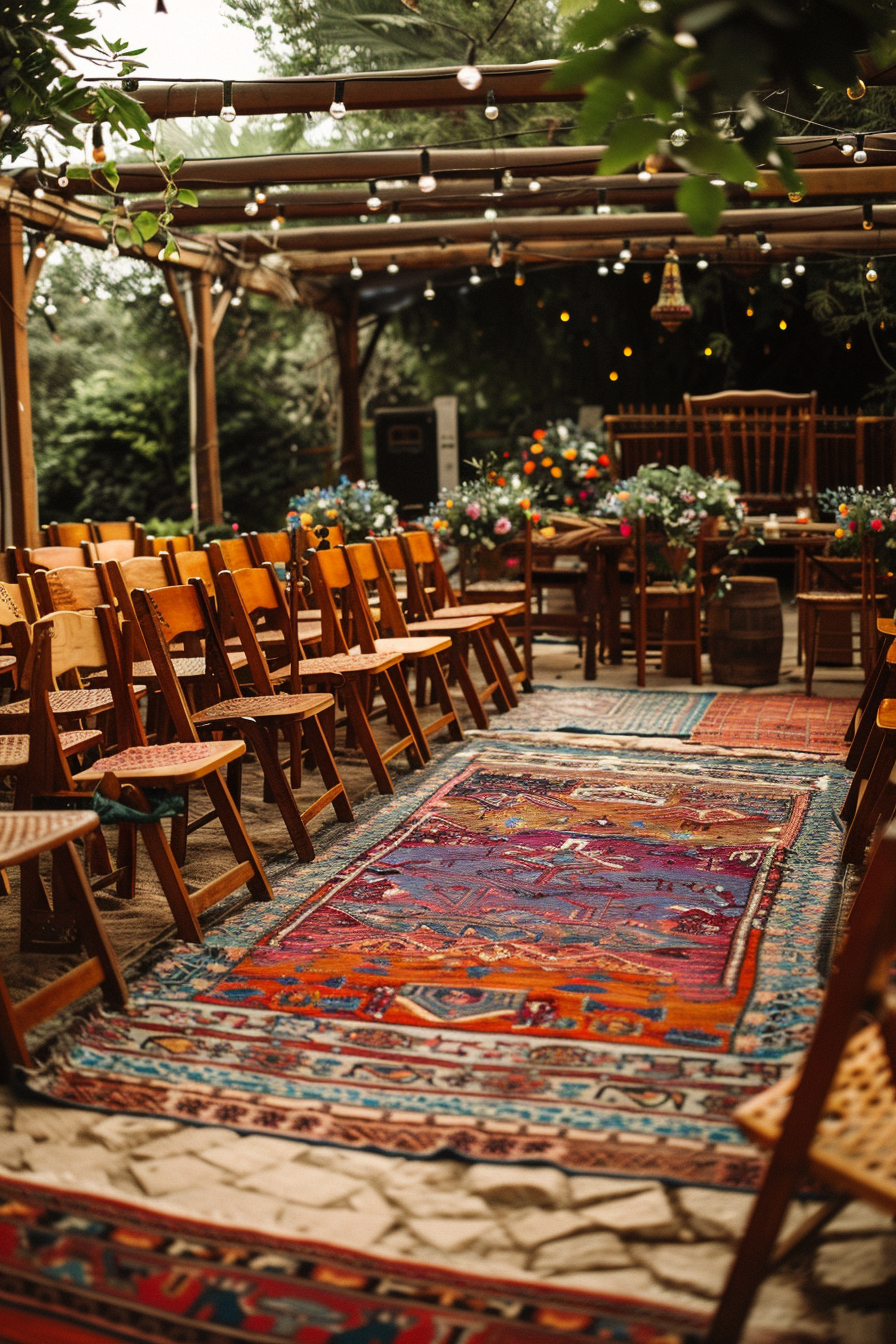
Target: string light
<point>602,206</point>
<point>751,186</point>
<point>870,272</point>
<point>749,312</point>
<point>228,111</point>
<point>491,107</point>
<point>395,217</point>
<point>627,352</point>
<point>39,192</point>
<point>217,286</point>
<point>62,179</point>
<point>603,269</point>
<point>847,146</point>
<point>534,184</point>
<point>393,267</point>
<point>429,292</point>
<point>861,154</point>
<point>519,277</point>
<point>279,220</point>
<point>165,299</point>
<point>648,6</point>
<point>643,173</point>
<point>564,316</point>
<point>685,40</point>
<point>468,77</point>
<point>782,325</point>
<point>614,377</point>
<point>764,244</point>
<point>717,181</point>
<point>112,249</point>
<point>425,182</point>
<point>708,352</point>
<point>507,179</point>
<point>251,207</point>
<point>702,263</point>
<point>786,278</point>
<point>618,267</point>
<point>50,309</point>
<point>625,252</point>
<point>373,200</point>
<point>856,91</point>
<point>41,249</point>
<point>490,213</point>
<point>337,107</point>
<point>800,266</point>
<point>795,196</point>
<point>356,271</point>
<point>679,137</point>
<point>868,215</point>
<point>475,277</point>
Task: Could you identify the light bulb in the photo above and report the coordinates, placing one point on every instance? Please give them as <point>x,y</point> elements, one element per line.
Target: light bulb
<point>425,182</point>
<point>490,213</point>
<point>62,179</point>
<point>39,193</point>
<point>468,77</point>
<point>228,111</point>
<point>702,263</point>
<point>85,298</point>
<point>475,277</point>
<point>649,6</point>
<point>868,215</point>
<point>275,224</point>
<point>217,286</point>
<point>40,300</point>
<point>685,39</point>
<point>618,267</point>
<point>362,219</point>
<point>373,200</point>
<point>491,107</point>
<point>717,181</point>
<point>860,155</point>
<point>394,218</point>
<point>50,309</point>
<point>41,249</point>
<point>643,175</point>
<point>507,179</point>
<point>392,268</point>
<point>679,137</point>
<point>251,208</point>
<point>337,107</point>
<point>356,271</point>
<point>870,273</point>
<point>260,195</point>
<point>751,186</point>
<point>786,281</point>
<point>519,277</point>
<point>764,244</point>
<point>166,300</point>
<point>429,292</point>
<point>534,184</point>
<point>847,148</point>
<point>240,291</point>
<point>112,249</point>
<point>235,301</point>
<point>856,91</point>
<point>625,252</point>
<point>800,267</point>
<point>603,269</point>
<point>62,182</point>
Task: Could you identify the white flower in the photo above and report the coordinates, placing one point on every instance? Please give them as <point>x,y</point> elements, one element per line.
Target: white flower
<point>562,432</point>
<point>464,530</point>
<point>379,520</point>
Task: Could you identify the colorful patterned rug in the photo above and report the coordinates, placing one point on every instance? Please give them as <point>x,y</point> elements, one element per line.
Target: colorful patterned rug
<point>82,1269</point>
<point>559,955</point>
<point>767,723</point>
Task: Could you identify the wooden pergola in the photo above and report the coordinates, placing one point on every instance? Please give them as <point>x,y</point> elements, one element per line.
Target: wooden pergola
<point>287,252</point>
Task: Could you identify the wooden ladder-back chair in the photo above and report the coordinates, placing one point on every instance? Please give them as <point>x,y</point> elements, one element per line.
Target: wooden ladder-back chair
<point>255,599</point>
<point>816,604</point>
<point>368,570</point>
<point>24,837</point>
<point>81,639</point>
<point>836,1116</point>
<point>466,629</point>
<point>765,440</point>
<point>669,598</point>
<point>420,556</point>
<point>185,612</point>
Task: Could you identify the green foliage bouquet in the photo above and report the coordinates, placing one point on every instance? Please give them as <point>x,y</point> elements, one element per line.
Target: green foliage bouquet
<point>484,512</point>
<point>858,513</point>
<point>566,468</point>
<point>358,507</point>
<point>677,502</point>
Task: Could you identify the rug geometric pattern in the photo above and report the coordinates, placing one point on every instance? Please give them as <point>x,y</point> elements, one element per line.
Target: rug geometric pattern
<point>584,957</point>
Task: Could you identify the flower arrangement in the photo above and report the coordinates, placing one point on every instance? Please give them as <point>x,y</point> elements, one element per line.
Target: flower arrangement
<point>677,502</point>
<point>565,468</point>
<point>483,512</point>
<point>358,507</point>
<point>858,512</point>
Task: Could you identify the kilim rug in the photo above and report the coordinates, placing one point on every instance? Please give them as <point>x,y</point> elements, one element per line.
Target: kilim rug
<point>83,1269</point>
<point>554,955</point>
<point>763,722</point>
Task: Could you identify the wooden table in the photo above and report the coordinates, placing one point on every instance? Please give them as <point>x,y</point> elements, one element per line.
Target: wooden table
<point>598,544</point>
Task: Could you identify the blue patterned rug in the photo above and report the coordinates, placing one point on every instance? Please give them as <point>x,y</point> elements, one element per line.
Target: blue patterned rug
<point>554,954</point>
<point>587,709</point>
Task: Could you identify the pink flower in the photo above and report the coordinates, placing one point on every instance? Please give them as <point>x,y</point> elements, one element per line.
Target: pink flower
<point>853,525</point>
<point>474,510</point>
<point>625,529</point>
<point>876,525</point>
<point>503,526</point>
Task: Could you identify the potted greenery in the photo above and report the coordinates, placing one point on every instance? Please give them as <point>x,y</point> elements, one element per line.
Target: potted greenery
<point>358,507</point>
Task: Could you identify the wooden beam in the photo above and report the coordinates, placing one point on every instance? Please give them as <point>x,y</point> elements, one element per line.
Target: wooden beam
<point>32,272</point>
<point>364,92</point>
<point>345,333</point>
<point>180,303</point>
<point>208,495</point>
<point>19,481</point>
<point>372,342</point>
<point>221,306</point>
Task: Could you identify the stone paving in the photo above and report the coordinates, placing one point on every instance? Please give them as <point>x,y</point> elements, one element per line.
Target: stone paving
<point>603,1234</point>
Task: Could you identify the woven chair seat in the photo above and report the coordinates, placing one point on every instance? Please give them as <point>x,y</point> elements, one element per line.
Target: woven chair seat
<point>485,608</point>
<point>7,662</point>
<point>66,704</point>
<point>853,1144</point>
<point>14,747</point>
<point>341,663</point>
<point>835,599</point>
<point>176,763</point>
<point>24,835</point>
<point>265,707</point>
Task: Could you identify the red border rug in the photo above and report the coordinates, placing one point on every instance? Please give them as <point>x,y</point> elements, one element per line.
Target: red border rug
<point>777,722</point>
<point>84,1269</point>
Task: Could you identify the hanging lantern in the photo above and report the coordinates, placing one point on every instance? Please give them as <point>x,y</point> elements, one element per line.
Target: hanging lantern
<point>670,308</point>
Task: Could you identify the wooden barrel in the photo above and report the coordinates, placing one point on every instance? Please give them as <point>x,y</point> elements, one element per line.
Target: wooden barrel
<point>746,633</point>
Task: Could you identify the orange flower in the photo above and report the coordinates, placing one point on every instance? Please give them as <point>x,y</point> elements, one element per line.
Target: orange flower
<point>501,480</point>
<point>549,532</point>
<point>623,494</point>
<point>591,473</point>
<point>547,461</point>
<point>538,434</point>
<point>536,448</point>
<point>839,533</point>
<point>525,503</point>
<point>557,471</point>
<point>844,509</point>
<point>570,454</point>
<point>528,468</point>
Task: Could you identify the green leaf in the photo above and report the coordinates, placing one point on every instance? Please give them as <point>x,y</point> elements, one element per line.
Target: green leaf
<point>175,164</point>
<point>605,97</point>
<point>147,225</point>
<point>702,203</point>
<point>723,158</point>
<point>187,197</point>
<point>124,237</point>
<point>78,170</point>
<point>110,173</point>
<point>630,142</point>
<point>170,249</point>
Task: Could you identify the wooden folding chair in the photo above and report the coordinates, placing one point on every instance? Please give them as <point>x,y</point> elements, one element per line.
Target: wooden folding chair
<point>50,557</point>
<point>109,550</point>
<point>173,545</point>
<point>367,568</point>
<point>15,619</point>
<point>668,598</point>
<point>273,546</point>
<point>67,534</point>
<point>67,588</point>
<point>874,690</point>
<point>24,836</point>
<point>836,1116</point>
<point>127,530</point>
<point>80,639</point>
<point>254,599</point>
<point>183,613</point>
<point>182,566</point>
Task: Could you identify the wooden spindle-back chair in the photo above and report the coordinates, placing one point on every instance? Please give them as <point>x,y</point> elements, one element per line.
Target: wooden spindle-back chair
<point>765,440</point>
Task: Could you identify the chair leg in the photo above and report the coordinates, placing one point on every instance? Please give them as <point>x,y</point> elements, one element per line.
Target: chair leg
<point>278,786</point>
<point>394,690</point>
<point>467,687</point>
<point>169,875</point>
<point>504,680</point>
<point>363,733</point>
<point>500,699</point>
<point>440,687</point>
<point>329,772</point>
<point>514,661</point>
<point>238,837</point>
<point>811,631</point>
<point>866,813</point>
<point>90,926</point>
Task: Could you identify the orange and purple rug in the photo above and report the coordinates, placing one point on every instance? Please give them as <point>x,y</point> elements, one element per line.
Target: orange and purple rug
<point>558,954</point>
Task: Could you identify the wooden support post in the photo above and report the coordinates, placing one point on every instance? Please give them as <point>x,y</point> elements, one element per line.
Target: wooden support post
<point>208,465</point>
<point>345,331</point>
<point>19,482</point>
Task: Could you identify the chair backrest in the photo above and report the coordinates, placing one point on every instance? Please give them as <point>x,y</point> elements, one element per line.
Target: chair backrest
<point>765,440</point>
<point>77,642</point>
<point>56,557</point>
<point>67,534</point>
<point>343,606</point>
<point>369,569</point>
<point>335,536</point>
<point>113,550</point>
<point>69,588</point>
<point>273,546</point>
<point>12,604</point>
<point>400,557</point>
<point>173,545</point>
<point>647,437</point>
<point>186,565</point>
<point>125,531</point>
<point>120,580</point>
<point>254,601</point>
<point>231,554</point>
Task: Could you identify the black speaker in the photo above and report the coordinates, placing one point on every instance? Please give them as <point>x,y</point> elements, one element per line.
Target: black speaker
<point>406,457</point>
